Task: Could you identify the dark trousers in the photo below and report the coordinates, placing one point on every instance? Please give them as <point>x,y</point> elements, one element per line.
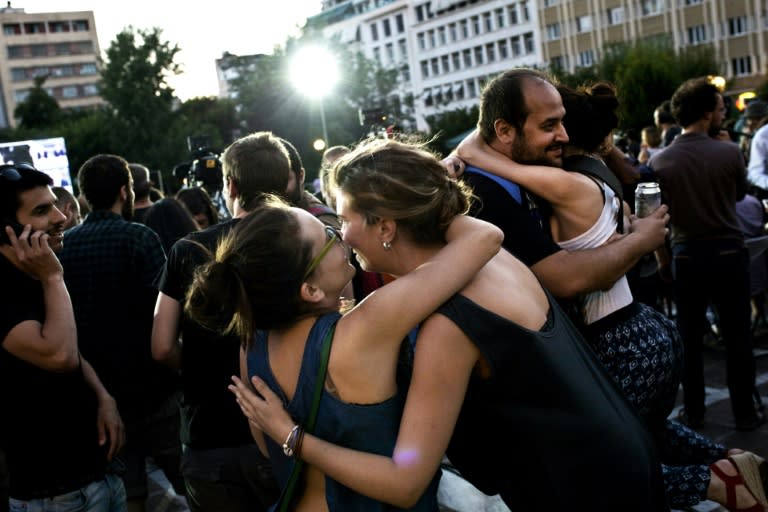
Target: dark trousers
<point>715,272</point>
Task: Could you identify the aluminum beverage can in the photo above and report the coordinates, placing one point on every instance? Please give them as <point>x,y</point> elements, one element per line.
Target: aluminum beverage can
<point>647,198</point>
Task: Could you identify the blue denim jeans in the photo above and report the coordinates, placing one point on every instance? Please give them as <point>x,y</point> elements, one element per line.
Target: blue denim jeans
<point>106,495</point>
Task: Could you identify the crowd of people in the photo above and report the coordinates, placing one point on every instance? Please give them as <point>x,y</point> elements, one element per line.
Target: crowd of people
<point>492,318</point>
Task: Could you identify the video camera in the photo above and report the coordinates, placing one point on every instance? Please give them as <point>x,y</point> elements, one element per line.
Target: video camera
<point>204,169</point>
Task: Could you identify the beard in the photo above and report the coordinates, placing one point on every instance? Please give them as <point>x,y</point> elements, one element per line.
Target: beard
<point>523,154</point>
<point>714,130</point>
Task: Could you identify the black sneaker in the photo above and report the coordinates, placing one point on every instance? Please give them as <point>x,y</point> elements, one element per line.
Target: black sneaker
<point>693,422</point>
<point>750,424</point>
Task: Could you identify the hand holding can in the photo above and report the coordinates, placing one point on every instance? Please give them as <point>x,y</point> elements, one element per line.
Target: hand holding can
<point>647,198</point>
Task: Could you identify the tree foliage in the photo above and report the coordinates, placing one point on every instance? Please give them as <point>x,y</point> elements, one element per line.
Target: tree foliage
<point>39,109</point>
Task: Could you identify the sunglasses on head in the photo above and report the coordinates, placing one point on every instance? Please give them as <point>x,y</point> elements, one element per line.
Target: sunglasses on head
<point>10,172</point>
<point>333,236</point>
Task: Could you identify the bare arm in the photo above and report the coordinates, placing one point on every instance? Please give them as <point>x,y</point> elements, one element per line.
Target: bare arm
<point>442,367</point>
<point>51,345</point>
<point>471,244</point>
<point>108,421</point>
<point>570,273</point>
<point>556,186</point>
<point>166,345</point>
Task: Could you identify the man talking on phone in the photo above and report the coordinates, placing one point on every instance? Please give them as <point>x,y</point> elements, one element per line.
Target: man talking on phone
<point>56,454</point>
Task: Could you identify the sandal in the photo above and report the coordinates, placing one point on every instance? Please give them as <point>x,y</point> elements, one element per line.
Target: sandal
<point>748,476</point>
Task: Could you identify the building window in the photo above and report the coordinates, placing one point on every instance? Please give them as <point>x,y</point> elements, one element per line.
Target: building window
<point>503,49</point>
<point>692,2</point>
<point>41,50</point>
<point>501,20</point>
<point>420,41</point>
<point>651,7</point>
<point>458,90</point>
<point>374,32</point>
<point>550,3</point>
<point>15,52</point>
<point>742,66</point>
<point>431,37</point>
<point>419,13</point>
<point>90,90</point>
<point>424,69</point>
<point>34,28</point>
<point>528,42</point>
<point>403,48</point>
<point>399,23</point>
<point>445,62</point>
<point>69,91</point>
<point>556,62</point>
<point>475,21</point>
<point>441,36</point>
<point>456,59</point>
<point>586,58</point>
<point>697,34</point>
<point>584,23</point>
<point>80,25</point>
<point>467,56</point>
<point>453,33</point>
<point>464,29</point>
<point>435,64</point>
<point>377,55</point>
<point>20,96</point>
<point>517,48</point>
<point>737,25</point>
<point>512,10</point>
<point>479,55</point>
<point>11,29</point>
<point>40,71</point>
<point>387,28</point>
<point>390,49</point>
<point>405,73</point>
<point>553,31</point>
<point>471,89</point>
<point>615,15</point>
<point>488,21</point>
<point>58,26</point>
<point>490,52</point>
<point>524,9</point>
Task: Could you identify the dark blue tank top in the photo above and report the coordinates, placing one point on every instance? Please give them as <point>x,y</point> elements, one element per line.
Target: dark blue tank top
<point>370,428</point>
<point>549,428</point>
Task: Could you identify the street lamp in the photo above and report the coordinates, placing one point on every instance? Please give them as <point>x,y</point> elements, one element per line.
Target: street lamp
<point>314,73</point>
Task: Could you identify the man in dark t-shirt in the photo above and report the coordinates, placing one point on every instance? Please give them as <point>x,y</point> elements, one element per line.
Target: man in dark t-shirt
<point>214,432</point>
<point>49,394</point>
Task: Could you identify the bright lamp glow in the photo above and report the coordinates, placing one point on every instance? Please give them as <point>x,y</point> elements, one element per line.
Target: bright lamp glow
<point>314,71</point>
<point>319,144</point>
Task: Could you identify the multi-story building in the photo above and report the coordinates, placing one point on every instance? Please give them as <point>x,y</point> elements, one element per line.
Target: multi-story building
<point>445,50</point>
<point>576,31</point>
<point>62,46</point>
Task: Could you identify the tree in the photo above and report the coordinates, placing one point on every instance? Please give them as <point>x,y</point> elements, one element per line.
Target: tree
<point>39,109</point>
<point>134,84</point>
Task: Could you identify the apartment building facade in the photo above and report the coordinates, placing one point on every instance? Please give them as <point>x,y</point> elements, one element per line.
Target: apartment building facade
<point>62,46</point>
<point>445,50</point>
<point>575,32</point>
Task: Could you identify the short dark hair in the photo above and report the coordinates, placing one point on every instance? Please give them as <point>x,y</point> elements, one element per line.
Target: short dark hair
<point>293,156</point>
<point>197,201</point>
<point>664,112</point>
<point>590,114</point>
<point>693,100</point>
<point>101,178</point>
<point>141,182</point>
<point>10,190</point>
<point>259,164</point>
<point>503,98</point>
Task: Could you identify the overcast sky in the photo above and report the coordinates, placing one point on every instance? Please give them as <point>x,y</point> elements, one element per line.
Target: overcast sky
<point>203,31</point>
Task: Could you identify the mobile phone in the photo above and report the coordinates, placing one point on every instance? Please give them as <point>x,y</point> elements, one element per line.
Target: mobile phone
<point>17,228</point>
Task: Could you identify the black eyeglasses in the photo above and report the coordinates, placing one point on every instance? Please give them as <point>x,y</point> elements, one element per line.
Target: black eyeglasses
<point>333,236</point>
<point>10,172</point>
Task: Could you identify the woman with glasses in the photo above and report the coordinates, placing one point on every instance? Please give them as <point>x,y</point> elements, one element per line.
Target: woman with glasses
<point>281,274</point>
<point>502,382</point>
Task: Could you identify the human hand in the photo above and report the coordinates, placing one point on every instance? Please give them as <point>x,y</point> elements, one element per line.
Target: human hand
<point>264,410</point>
<point>469,148</point>
<point>34,254</point>
<point>454,165</point>
<point>652,230</point>
<point>110,426</point>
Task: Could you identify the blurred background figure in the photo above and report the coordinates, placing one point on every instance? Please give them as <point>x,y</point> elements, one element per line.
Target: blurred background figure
<point>329,158</point>
<point>171,220</point>
<point>650,143</point>
<point>141,189</point>
<point>68,205</point>
<point>200,205</point>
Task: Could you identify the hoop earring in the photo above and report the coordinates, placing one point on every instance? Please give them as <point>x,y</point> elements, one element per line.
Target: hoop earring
<point>387,245</point>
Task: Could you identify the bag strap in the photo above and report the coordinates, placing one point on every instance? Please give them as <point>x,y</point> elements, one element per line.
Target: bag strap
<point>287,495</point>
<point>593,167</point>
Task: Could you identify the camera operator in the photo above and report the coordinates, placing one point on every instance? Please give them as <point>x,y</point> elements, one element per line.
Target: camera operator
<point>203,170</point>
